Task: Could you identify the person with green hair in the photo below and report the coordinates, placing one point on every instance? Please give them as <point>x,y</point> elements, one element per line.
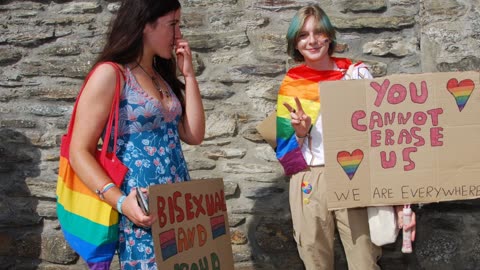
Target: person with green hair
<point>311,41</point>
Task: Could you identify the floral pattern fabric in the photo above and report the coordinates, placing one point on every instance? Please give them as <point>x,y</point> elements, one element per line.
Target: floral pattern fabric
<point>149,145</point>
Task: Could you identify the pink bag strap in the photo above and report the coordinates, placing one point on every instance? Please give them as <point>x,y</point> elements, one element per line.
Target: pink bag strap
<point>114,110</point>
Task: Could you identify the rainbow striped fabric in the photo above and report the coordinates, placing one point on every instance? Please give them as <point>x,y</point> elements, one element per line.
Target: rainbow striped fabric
<point>301,82</point>
<point>92,234</point>
<point>90,225</point>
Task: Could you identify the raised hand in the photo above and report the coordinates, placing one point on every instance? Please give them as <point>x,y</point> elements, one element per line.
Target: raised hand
<point>301,122</point>
<point>184,58</point>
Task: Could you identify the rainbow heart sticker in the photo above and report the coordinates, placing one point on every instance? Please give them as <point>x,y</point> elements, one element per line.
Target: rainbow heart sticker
<point>350,162</point>
<point>461,91</point>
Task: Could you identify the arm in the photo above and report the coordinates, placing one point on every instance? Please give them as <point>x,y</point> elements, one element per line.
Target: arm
<point>91,116</point>
<point>192,126</point>
<point>288,151</point>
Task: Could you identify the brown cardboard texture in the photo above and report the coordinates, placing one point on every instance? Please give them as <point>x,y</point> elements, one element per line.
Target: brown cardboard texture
<point>268,129</point>
<point>192,230</point>
<point>402,139</point>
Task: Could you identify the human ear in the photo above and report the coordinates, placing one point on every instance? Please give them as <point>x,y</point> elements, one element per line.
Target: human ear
<point>148,28</point>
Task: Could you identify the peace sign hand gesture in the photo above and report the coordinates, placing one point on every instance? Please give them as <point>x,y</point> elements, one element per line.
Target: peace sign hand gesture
<point>301,122</point>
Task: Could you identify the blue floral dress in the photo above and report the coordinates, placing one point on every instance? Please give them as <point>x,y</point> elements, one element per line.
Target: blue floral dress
<point>149,145</point>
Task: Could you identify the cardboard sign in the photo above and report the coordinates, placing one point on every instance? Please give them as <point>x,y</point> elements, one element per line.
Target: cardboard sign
<point>192,229</point>
<point>402,139</point>
<point>268,129</point>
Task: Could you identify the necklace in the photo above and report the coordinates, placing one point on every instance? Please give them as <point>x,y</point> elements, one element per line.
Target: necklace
<point>156,84</point>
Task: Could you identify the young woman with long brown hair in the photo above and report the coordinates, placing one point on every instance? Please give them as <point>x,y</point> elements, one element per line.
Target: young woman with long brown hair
<point>157,112</point>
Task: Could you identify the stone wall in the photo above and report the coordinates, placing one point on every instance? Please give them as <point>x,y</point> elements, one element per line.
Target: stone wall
<point>47,46</point>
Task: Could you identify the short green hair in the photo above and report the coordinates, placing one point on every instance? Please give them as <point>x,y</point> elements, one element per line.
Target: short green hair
<point>324,26</point>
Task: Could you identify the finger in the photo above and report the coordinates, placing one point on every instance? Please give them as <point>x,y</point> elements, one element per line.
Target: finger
<point>413,234</point>
<point>133,193</point>
<point>180,51</point>
<point>295,121</point>
<point>299,104</point>
<point>289,108</point>
<point>181,41</point>
<point>400,221</point>
<point>184,45</point>
<point>294,116</point>
<point>151,220</point>
<point>408,226</point>
<point>145,221</point>
<point>413,221</point>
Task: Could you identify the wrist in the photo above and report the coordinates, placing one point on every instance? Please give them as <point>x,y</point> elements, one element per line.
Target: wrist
<point>305,135</point>
<point>191,77</point>
<point>101,192</point>
<point>301,137</point>
<point>120,203</point>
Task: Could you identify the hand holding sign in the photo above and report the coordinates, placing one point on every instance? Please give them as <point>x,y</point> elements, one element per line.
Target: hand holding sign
<point>301,122</point>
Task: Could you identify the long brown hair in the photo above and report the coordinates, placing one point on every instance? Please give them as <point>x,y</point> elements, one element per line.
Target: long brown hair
<point>124,43</point>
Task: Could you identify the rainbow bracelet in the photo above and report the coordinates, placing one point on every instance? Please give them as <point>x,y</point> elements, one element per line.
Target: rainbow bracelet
<point>103,190</point>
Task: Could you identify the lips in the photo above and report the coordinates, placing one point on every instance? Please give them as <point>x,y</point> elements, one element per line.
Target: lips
<point>314,49</point>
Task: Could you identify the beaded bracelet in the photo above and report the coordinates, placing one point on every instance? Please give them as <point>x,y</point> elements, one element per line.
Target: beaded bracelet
<point>103,190</point>
<point>120,203</point>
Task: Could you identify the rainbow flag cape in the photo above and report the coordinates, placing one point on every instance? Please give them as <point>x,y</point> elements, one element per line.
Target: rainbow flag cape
<point>301,82</point>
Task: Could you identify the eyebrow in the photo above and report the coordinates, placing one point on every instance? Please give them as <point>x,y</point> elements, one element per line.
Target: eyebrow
<point>175,20</point>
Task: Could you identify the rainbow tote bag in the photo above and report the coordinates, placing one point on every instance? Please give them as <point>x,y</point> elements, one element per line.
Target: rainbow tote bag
<point>90,225</point>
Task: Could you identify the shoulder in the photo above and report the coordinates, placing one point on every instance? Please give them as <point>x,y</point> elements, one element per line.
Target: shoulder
<point>296,70</point>
<point>103,80</point>
<point>106,73</point>
<point>302,72</point>
<point>360,71</point>
<point>108,69</point>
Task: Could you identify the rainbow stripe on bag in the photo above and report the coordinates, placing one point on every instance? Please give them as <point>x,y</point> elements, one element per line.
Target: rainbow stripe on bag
<point>82,227</point>
<point>90,225</point>
<point>301,82</point>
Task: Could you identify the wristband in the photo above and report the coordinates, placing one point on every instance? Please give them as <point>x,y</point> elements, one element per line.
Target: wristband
<point>120,203</point>
<point>301,137</point>
<point>103,190</point>
<point>306,135</point>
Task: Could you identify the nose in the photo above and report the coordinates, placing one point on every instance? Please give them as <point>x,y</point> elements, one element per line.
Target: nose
<point>312,38</point>
<point>178,33</point>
